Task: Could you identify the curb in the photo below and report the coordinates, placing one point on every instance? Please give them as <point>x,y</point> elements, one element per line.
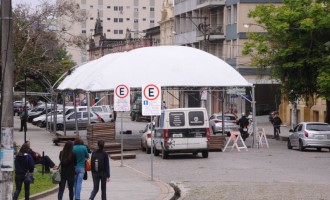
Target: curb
<point>44,194</point>
<point>179,190</point>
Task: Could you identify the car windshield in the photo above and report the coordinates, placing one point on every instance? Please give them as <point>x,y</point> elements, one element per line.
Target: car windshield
<point>318,127</point>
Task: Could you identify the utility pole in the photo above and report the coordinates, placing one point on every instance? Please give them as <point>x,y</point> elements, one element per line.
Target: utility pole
<point>7,119</point>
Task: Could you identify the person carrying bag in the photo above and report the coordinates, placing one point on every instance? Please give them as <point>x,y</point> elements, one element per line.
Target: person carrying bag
<point>24,167</point>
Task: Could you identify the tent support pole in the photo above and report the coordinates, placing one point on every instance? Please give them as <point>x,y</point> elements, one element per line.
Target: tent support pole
<point>254,117</point>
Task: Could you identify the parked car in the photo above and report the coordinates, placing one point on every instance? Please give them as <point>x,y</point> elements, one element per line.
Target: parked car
<point>310,135</point>
<point>146,138</point>
<point>18,107</point>
<point>37,114</point>
<point>41,120</point>
<point>82,119</point>
<point>216,123</point>
<point>105,112</point>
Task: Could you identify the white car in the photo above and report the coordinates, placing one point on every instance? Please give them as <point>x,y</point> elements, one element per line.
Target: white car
<point>105,112</point>
<point>41,120</point>
<point>146,138</point>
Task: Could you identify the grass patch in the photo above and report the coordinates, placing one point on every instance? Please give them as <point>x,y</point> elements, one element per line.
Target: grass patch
<point>41,183</point>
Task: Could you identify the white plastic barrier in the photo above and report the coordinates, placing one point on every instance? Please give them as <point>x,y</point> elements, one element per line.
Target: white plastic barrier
<point>234,137</point>
<point>261,137</point>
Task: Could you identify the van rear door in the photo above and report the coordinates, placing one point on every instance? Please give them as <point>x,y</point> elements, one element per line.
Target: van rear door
<point>197,134</point>
<point>177,132</point>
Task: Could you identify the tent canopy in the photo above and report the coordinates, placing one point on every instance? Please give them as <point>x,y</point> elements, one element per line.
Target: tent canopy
<point>166,66</point>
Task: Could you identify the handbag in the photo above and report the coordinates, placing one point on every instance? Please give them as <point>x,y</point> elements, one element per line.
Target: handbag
<point>28,176</point>
<point>88,165</point>
<point>56,177</point>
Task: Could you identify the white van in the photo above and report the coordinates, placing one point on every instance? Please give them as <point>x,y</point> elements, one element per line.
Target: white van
<point>182,130</point>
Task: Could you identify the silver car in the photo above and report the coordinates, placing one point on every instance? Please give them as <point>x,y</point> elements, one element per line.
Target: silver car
<point>146,138</point>
<point>216,123</point>
<point>82,119</point>
<point>310,135</point>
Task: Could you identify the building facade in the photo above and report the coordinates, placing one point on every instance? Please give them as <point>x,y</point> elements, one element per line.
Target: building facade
<point>116,17</point>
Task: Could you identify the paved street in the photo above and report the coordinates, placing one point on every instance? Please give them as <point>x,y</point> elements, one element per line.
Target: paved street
<point>265,173</point>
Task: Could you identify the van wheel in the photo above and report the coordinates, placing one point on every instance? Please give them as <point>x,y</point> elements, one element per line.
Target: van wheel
<point>213,130</point>
<point>205,154</point>
<point>156,152</point>
<point>164,154</point>
<point>289,144</point>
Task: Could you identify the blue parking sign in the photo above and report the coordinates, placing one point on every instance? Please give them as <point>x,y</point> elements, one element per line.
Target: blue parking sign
<point>145,102</point>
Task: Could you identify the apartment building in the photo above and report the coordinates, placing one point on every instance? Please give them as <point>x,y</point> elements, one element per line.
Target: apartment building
<point>117,16</point>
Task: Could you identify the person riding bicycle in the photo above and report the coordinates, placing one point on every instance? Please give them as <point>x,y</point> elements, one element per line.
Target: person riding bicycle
<point>243,123</point>
<point>277,124</point>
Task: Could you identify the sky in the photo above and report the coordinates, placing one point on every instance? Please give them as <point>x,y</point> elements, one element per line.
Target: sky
<point>30,2</point>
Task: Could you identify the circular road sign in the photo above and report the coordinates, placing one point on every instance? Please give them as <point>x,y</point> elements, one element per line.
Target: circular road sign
<point>151,92</point>
<point>121,91</point>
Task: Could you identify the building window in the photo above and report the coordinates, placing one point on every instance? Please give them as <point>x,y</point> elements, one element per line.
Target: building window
<point>228,15</point>
<point>144,19</point>
<point>152,21</point>
<point>121,32</point>
<point>121,8</point>
<point>115,8</point>
<point>108,30</point>
<point>152,9</point>
<point>121,20</point>
<point>91,6</point>
<point>91,18</point>
<point>108,6</point>
<point>136,10</point>
<point>115,20</point>
<point>228,49</point>
<point>127,19</point>
<point>136,21</point>
<point>83,31</point>
<point>144,8</point>
<point>108,18</point>
<point>235,13</point>
<point>115,32</point>
<point>235,46</point>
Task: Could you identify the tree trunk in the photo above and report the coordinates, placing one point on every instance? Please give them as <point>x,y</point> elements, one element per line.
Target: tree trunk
<point>294,118</point>
<point>327,117</point>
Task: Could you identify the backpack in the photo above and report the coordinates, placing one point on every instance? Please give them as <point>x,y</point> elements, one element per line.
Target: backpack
<point>97,161</point>
<point>277,121</point>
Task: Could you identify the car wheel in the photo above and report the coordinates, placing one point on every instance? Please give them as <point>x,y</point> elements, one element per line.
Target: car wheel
<point>148,150</point>
<point>59,126</point>
<point>213,130</point>
<point>228,134</point>
<point>301,147</point>
<point>164,154</point>
<point>289,144</point>
<point>102,120</point>
<point>205,154</point>
<point>39,124</point>
<point>318,149</point>
<point>133,117</point>
<point>142,147</point>
<point>156,152</point>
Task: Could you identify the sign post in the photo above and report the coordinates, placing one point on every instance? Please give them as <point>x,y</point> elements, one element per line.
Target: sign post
<point>122,103</point>
<point>151,106</point>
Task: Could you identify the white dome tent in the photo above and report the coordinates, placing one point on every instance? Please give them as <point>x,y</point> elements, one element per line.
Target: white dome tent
<point>171,67</point>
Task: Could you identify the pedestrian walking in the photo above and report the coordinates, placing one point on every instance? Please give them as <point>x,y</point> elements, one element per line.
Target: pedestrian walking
<point>23,163</point>
<point>243,123</point>
<point>100,170</point>
<point>277,124</point>
<point>43,160</point>
<point>67,164</point>
<point>23,117</point>
<point>81,155</point>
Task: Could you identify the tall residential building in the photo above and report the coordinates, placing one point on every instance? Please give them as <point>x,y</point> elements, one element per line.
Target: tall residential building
<point>117,17</point>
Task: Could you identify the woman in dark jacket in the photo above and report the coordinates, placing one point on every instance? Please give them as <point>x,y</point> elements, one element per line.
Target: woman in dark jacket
<point>23,163</point>
<point>67,163</point>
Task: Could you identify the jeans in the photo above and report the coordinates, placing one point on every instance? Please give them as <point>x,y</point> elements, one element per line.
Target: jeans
<point>97,177</point>
<point>277,131</point>
<point>80,171</point>
<point>19,180</point>
<point>62,187</point>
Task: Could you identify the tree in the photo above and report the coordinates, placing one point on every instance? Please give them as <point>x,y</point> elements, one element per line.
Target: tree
<point>294,47</point>
<point>40,40</point>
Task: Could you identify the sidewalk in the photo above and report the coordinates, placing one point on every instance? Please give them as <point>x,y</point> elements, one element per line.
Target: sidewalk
<point>125,182</point>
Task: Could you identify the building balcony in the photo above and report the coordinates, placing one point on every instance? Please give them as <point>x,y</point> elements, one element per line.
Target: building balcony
<point>215,32</point>
<point>210,3</point>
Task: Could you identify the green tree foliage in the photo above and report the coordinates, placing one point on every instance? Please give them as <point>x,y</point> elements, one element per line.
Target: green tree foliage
<point>294,47</point>
<point>40,40</point>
